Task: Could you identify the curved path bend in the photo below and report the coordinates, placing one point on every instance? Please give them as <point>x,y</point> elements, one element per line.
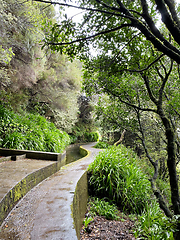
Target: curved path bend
<point>45,211</point>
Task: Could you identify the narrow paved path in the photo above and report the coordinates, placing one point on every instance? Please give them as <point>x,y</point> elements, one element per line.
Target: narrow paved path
<point>45,212</point>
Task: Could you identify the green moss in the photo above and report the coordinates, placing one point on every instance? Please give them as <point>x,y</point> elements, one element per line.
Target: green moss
<point>11,194</point>
<point>17,192</point>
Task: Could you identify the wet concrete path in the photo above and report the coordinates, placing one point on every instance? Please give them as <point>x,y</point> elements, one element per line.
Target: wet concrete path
<point>45,211</point>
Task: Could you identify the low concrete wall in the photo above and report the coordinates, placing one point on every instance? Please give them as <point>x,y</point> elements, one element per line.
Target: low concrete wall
<point>31,154</point>
<point>26,184</point>
<point>80,203</point>
<point>80,199</point>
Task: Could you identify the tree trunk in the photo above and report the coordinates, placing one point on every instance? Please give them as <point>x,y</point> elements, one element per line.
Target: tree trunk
<point>121,138</point>
<point>171,164</point>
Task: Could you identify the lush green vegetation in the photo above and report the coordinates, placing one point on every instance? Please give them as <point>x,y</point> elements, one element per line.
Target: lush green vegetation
<point>135,74</point>
<point>35,79</point>
<point>118,175</point>
<point>100,207</point>
<point>104,208</point>
<point>134,77</point>
<point>153,225</point>
<point>30,132</point>
<point>102,145</point>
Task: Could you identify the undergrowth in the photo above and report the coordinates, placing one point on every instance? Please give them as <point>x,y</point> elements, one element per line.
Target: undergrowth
<point>102,145</point>
<point>30,132</point>
<point>104,208</point>
<point>117,175</point>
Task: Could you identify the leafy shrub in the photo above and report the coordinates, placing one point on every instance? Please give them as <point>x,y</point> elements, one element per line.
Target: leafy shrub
<point>91,136</point>
<point>86,222</point>
<point>102,145</point>
<point>30,132</point>
<point>115,174</point>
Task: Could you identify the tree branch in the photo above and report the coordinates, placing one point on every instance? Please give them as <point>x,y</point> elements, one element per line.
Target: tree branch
<point>153,35</point>
<point>171,7</point>
<point>161,90</point>
<point>167,20</point>
<point>161,201</point>
<point>156,192</point>
<point>146,68</point>
<point>90,37</point>
<point>129,104</point>
<point>83,8</point>
<point>146,81</point>
<point>121,138</point>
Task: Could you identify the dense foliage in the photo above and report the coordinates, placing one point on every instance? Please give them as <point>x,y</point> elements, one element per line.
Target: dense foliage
<point>116,174</point>
<point>30,132</point>
<point>34,79</point>
<point>104,208</point>
<point>135,72</point>
<point>102,145</point>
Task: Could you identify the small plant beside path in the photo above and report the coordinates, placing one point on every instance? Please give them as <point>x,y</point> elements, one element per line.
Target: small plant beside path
<point>108,222</point>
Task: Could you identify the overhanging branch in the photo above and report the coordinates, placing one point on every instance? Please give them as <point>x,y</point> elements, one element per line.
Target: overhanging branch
<point>128,103</point>
<point>146,68</point>
<point>90,37</point>
<point>83,8</point>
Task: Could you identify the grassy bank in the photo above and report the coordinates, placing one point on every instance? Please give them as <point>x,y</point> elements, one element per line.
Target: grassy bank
<point>118,176</point>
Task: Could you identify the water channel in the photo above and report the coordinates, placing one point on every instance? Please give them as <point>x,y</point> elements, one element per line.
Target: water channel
<point>72,153</point>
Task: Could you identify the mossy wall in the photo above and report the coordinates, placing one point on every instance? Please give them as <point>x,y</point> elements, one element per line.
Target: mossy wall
<point>83,151</point>
<point>79,205</point>
<point>80,199</point>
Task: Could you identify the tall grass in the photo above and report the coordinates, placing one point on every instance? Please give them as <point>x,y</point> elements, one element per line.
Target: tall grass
<point>154,225</point>
<point>30,132</point>
<point>115,174</point>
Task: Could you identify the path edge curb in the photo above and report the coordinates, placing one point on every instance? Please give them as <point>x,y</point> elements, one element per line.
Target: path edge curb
<point>78,207</point>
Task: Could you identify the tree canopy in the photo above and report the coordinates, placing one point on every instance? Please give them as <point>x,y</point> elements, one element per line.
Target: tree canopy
<point>108,20</point>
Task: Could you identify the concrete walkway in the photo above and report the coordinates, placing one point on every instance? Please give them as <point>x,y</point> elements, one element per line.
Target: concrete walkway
<point>45,212</point>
